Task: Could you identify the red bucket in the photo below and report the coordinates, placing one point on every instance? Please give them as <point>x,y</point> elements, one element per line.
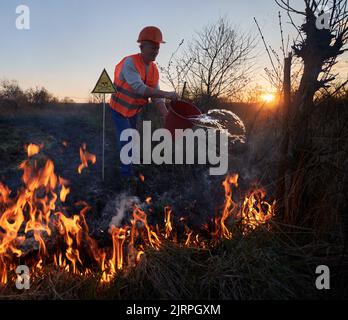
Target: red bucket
<point>179,112</point>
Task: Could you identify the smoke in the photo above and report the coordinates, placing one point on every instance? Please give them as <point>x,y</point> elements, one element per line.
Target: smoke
<point>118,207</point>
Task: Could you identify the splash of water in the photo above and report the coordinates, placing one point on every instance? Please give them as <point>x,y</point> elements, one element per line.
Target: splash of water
<point>224,120</point>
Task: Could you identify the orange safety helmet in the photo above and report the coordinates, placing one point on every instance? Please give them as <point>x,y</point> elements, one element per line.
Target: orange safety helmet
<point>151,34</point>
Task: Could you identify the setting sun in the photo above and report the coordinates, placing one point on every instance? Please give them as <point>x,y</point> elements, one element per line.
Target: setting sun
<point>268,97</point>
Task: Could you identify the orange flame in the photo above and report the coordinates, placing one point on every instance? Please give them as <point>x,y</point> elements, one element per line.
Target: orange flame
<point>167,222</point>
<point>64,191</point>
<point>33,210</point>
<point>148,200</point>
<point>256,210</point>
<point>85,156</point>
<point>33,149</point>
<point>118,239</point>
<point>71,230</point>
<point>229,207</point>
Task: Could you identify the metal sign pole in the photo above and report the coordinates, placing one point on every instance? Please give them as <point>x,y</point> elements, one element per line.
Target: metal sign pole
<point>103,86</point>
<point>103,161</point>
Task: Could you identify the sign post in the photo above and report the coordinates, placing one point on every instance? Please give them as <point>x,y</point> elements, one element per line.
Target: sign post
<point>104,85</point>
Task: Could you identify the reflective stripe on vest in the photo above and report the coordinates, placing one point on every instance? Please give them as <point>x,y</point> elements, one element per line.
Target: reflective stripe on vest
<point>125,100</point>
<point>125,103</point>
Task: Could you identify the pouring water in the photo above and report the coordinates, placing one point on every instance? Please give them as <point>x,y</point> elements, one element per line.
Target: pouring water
<point>224,120</point>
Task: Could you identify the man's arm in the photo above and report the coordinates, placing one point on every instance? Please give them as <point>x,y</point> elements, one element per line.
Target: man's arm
<point>157,93</point>
<point>160,104</point>
<point>132,77</point>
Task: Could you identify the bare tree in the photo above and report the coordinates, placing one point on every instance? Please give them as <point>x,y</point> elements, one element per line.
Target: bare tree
<point>214,64</point>
<point>274,74</point>
<point>40,96</point>
<point>319,45</point>
<point>10,91</point>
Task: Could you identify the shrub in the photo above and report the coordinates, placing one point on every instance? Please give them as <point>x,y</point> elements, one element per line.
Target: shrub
<point>39,96</point>
<point>11,95</point>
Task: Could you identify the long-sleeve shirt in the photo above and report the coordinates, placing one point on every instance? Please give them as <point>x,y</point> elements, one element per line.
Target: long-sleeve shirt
<point>130,74</point>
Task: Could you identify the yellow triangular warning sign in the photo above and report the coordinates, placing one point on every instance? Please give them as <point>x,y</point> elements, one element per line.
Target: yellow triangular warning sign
<point>104,84</point>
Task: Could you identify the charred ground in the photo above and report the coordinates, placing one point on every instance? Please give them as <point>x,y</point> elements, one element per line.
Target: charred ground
<point>277,264</point>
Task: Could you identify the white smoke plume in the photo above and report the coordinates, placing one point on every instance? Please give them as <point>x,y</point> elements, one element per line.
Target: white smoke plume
<point>118,207</point>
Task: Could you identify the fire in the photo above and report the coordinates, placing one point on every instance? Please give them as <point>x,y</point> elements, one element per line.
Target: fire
<point>228,210</point>
<point>188,233</point>
<point>148,200</point>
<point>33,215</point>
<point>167,221</point>
<point>256,210</point>
<point>229,204</point>
<point>65,190</point>
<point>71,229</point>
<point>85,156</point>
<point>118,238</point>
<point>33,149</point>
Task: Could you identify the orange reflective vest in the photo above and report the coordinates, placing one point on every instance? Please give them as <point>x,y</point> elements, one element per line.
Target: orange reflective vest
<point>125,101</point>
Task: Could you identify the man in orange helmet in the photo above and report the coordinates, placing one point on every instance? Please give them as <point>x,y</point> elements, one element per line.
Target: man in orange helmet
<point>136,79</point>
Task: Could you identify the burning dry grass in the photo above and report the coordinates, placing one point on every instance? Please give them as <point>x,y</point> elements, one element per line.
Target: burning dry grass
<point>252,265</point>
<point>85,157</point>
<point>259,266</point>
<point>240,254</point>
<point>63,239</point>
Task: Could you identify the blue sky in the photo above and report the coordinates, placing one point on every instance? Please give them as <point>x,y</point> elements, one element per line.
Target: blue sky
<point>71,41</point>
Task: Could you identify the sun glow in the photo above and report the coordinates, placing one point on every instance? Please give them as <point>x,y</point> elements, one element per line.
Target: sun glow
<point>268,97</point>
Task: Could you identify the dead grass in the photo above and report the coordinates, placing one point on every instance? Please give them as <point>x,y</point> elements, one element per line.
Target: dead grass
<point>264,265</point>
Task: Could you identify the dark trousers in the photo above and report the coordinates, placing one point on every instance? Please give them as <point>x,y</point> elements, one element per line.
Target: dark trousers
<point>123,123</point>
